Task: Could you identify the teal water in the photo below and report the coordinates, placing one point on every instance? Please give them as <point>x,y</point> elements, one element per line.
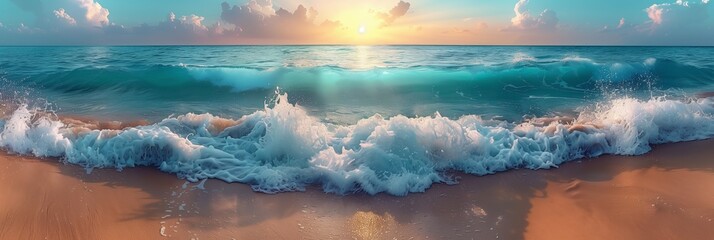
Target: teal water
<point>375,119</point>
<point>347,83</point>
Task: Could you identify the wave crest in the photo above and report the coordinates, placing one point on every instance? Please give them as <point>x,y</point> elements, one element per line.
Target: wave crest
<point>282,148</point>
<point>570,73</point>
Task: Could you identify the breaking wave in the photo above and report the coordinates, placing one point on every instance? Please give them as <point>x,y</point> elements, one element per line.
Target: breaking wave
<point>282,148</point>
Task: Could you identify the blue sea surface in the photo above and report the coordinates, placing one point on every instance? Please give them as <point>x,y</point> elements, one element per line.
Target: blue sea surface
<point>392,119</point>
<point>347,83</point>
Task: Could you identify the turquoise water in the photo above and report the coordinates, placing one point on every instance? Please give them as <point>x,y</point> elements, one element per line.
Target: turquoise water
<point>350,118</point>
<point>347,83</point>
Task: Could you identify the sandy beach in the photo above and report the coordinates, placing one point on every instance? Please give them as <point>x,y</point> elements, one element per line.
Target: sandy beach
<point>369,120</point>
<point>665,194</point>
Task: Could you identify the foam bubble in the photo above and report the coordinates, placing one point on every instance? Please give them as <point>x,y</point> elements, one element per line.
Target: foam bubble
<point>282,148</point>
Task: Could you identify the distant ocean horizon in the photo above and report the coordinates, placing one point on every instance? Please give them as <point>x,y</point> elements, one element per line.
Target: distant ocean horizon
<point>372,118</point>
<point>355,45</point>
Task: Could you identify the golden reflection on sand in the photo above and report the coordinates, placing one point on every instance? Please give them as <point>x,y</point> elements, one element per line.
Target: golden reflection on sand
<point>368,225</point>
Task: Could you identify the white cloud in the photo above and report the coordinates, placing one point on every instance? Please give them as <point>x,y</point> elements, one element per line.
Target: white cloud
<point>259,19</point>
<point>64,17</point>
<point>679,22</point>
<point>95,14</point>
<point>87,22</point>
<point>547,19</point>
<point>193,21</point>
<point>191,25</point>
<point>187,29</point>
<point>80,13</point>
<point>263,7</point>
<point>24,28</point>
<point>677,13</point>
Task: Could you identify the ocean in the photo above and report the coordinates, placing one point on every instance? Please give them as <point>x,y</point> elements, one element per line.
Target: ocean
<point>373,119</point>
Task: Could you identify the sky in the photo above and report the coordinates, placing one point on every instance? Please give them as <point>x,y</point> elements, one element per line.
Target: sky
<point>469,22</point>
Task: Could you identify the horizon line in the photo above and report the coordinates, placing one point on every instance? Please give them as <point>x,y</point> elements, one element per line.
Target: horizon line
<point>308,45</point>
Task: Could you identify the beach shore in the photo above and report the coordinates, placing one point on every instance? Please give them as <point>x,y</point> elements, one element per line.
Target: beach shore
<point>665,194</point>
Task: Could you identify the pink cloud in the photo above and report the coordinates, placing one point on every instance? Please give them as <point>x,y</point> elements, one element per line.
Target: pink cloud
<point>64,17</point>
<point>547,19</point>
<point>396,12</point>
<point>654,12</point>
<point>95,14</point>
<point>679,12</point>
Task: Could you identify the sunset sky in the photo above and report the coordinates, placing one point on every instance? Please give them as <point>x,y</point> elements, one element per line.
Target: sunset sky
<point>538,22</point>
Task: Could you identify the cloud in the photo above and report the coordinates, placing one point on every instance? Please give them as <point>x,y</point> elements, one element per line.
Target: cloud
<point>655,12</point>
<point>264,7</point>
<point>95,14</point>
<point>397,11</point>
<point>188,29</point>
<point>64,17</point>
<point>259,19</point>
<point>191,23</point>
<point>87,22</point>
<point>622,27</point>
<point>677,13</point>
<point>547,20</point>
<point>92,13</point>
<point>23,28</point>
<point>680,22</point>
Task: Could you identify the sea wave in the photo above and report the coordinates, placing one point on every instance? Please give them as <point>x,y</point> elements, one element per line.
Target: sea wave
<point>282,148</point>
<point>571,74</point>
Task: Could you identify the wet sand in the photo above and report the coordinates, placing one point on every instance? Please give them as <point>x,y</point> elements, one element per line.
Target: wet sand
<point>666,194</point>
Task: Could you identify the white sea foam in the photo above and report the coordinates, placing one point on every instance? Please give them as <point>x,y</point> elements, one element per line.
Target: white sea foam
<point>282,148</point>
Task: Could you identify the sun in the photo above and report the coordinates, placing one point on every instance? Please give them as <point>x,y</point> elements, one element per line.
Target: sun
<point>362,29</point>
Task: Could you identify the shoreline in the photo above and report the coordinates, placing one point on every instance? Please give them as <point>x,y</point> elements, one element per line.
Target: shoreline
<point>667,193</point>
